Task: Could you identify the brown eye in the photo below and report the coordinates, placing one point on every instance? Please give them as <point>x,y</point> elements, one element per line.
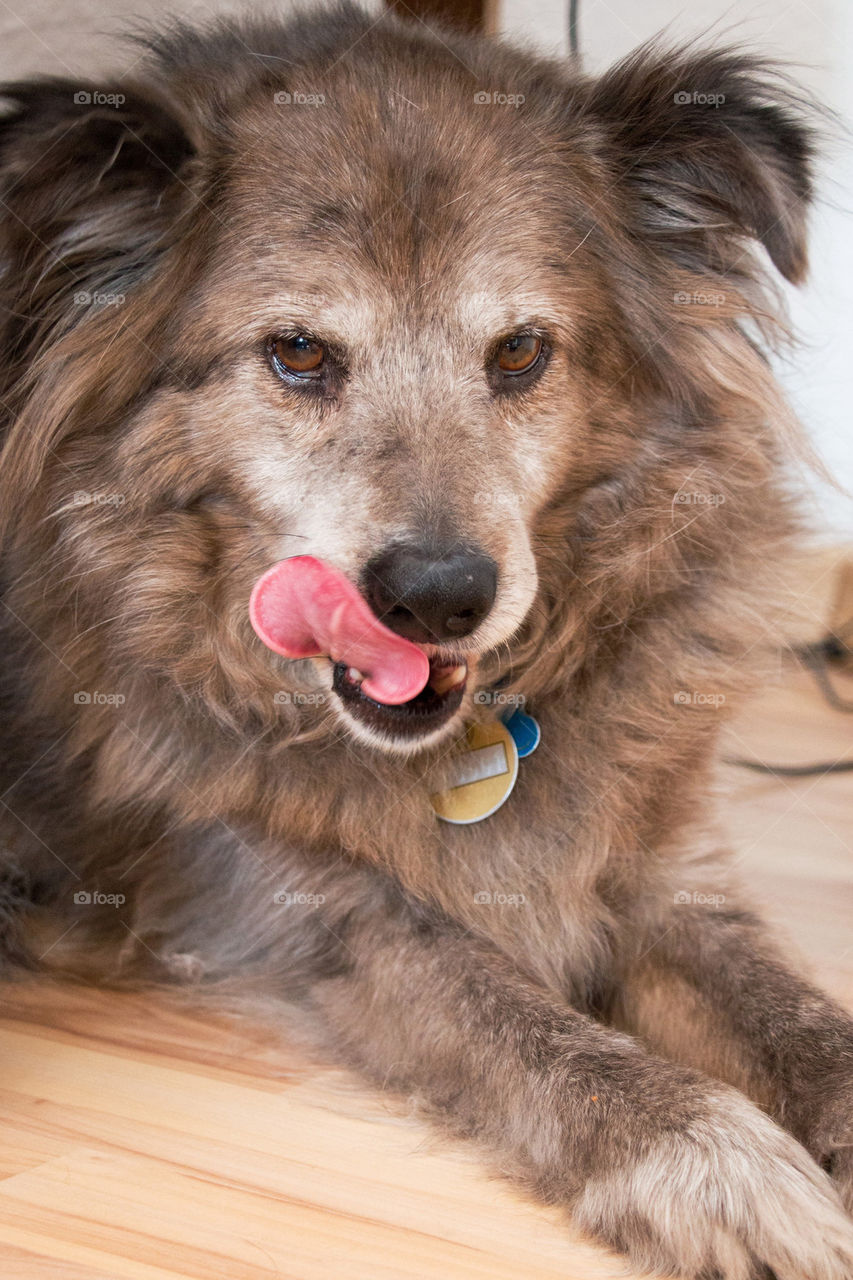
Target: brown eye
<point>519,353</point>
<point>299,355</point>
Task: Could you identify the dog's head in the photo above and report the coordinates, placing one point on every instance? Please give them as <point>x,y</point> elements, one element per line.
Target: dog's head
<point>457,322</point>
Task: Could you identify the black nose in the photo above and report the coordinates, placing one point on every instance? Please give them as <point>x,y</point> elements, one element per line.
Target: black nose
<point>428,597</point>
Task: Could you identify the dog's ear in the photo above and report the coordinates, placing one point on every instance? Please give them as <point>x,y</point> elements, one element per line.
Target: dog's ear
<point>712,147</point>
<point>91,182</point>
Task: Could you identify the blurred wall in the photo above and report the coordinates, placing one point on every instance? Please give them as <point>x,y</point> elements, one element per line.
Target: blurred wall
<point>816,38</point>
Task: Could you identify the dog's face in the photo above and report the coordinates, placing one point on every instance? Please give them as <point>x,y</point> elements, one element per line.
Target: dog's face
<point>393,343</point>
<point>401,328</point>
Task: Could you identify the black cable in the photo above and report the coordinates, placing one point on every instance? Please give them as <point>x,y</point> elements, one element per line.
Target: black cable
<point>791,770</point>
<point>574,27</point>
<point>816,658</point>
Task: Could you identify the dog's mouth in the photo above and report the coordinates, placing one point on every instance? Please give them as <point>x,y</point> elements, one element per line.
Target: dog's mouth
<point>304,608</point>
<point>427,711</point>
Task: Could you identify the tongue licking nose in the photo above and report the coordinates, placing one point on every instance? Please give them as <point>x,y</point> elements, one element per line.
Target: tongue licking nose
<point>303,608</point>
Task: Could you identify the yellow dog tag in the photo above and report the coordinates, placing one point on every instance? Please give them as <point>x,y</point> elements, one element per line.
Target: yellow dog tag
<point>481,777</point>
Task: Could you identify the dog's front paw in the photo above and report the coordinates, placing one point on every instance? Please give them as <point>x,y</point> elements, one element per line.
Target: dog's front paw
<point>729,1195</point>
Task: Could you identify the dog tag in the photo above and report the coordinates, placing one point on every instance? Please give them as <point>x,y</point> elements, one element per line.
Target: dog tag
<point>525,732</point>
<point>481,776</point>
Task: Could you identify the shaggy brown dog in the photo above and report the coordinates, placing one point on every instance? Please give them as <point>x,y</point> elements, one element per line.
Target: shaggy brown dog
<point>340,287</point>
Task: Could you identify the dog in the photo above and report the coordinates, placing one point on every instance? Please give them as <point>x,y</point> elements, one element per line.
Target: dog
<point>442,353</point>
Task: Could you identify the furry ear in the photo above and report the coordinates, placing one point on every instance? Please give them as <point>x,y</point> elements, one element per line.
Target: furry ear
<point>90,182</point>
<point>713,147</point>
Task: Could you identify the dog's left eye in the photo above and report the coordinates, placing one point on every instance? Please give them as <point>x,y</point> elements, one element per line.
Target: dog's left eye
<point>519,353</point>
<point>298,355</point>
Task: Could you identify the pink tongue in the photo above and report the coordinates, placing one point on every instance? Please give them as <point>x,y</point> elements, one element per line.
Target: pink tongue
<point>303,608</point>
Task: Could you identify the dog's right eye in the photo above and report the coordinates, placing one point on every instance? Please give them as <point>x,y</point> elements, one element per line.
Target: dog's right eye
<point>297,355</point>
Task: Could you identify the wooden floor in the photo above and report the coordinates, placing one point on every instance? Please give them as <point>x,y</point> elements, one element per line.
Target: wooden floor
<point>142,1144</point>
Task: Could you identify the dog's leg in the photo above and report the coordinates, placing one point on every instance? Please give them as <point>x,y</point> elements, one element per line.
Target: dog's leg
<point>683,1173</point>
<point>712,991</point>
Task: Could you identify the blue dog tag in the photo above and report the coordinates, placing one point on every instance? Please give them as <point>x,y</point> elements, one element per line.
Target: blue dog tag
<point>524,731</point>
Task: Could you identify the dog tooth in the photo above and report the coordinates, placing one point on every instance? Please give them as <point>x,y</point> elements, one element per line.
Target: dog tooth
<point>446,679</point>
<point>354,675</point>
